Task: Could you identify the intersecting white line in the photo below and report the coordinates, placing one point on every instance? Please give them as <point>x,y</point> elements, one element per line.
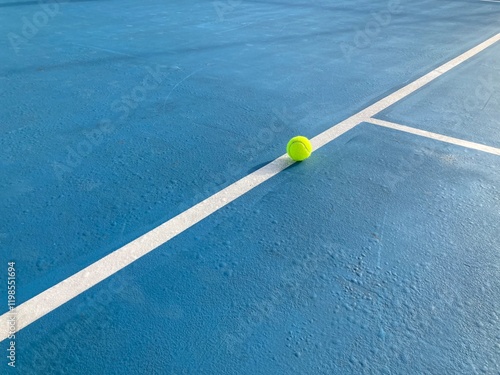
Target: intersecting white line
<point>50,299</point>
<point>436,136</point>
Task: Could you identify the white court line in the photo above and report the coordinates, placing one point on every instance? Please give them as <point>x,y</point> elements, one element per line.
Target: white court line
<point>490,1</point>
<point>436,136</point>
<point>386,102</point>
<point>50,299</point>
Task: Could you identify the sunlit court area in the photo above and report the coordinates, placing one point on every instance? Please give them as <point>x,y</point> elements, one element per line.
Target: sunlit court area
<point>250,187</point>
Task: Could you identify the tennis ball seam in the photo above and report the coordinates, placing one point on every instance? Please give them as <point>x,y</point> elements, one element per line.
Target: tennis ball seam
<point>306,146</point>
<point>301,147</point>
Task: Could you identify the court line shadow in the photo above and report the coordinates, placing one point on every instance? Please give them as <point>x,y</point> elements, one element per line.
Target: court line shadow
<point>259,166</point>
<point>277,164</point>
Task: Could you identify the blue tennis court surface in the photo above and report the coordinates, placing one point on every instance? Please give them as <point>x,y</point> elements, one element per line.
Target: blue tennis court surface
<point>157,228</point>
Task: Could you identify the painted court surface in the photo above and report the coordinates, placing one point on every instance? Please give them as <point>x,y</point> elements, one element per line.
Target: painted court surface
<point>157,228</point>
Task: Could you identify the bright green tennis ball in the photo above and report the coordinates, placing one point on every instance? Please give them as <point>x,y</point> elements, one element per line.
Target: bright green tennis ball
<point>299,148</point>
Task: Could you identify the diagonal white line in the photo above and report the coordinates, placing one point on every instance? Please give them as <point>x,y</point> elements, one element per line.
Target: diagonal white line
<point>384,103</point>
<point>436,136</point>
<point>47,301</point>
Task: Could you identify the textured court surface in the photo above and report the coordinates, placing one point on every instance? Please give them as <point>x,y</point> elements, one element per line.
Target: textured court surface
<point>378,255</point>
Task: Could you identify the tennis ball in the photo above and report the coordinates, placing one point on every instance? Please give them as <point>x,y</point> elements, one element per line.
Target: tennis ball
<point>299,148</point>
